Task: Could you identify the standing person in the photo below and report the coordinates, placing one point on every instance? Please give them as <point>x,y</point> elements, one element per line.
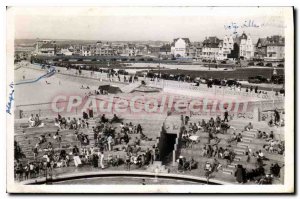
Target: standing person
<point>147,157</point>
<point>91,113</point>
<point>256,89</point>
<point>35,151</point>
<point>101,159</point>
<point>109,142</point>
<point>277,116</point>
<point>139,129</point>
<point>226,115</point>
<point>240,174</point>
<point>127,161</point>
<point>95,160</point>
<point>31,170</point>
<point>152,156</point>
<point>143,182</point>
<point>208,171</point>
<point>77,160</point>
<point>156,152</point>
<point>251,89</point>
<point>95,133</point>
<point>26,169</point>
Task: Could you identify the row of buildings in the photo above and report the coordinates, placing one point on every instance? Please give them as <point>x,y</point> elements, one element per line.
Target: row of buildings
<point>212,48</point>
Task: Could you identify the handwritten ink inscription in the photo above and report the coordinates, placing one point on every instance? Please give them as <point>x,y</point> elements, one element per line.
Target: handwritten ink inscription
<point>10,99</point>
<point>247,24</point>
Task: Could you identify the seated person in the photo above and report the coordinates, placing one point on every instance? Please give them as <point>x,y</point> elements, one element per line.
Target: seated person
<point>180,163</point>
<point>68,122</point>
<point>139,129</point>
<point>137,141</point>
<point>42,139</point>
<point>239,138</point>
<point>115,119</point>
<point>224,127</point>
<point>31,121</point>
<point>186,119</point>
<point>37,120</point>
<point>204,151</point>
<point>232,138</point>
<point>203,123</point>
<point>248,127</point>
<point>226,154</point>
<point>261,154</point>
<point>275,170</point>
<point>193,164</point>
<point>49,146</point>
<point>104,119</point>
<point>215,140</point>
<point>218,129</point>
<point>259,134</point>
<point>221,153</point>
<point>265,179</point>
<point>56,122</point>
<point>56,135</point>
<point>218,120</point>
<point>211,122</point>
<point>63,123</point>
<point>264,135</point>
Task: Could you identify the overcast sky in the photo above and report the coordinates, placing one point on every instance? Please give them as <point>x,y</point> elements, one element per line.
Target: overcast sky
<point>130,28</point>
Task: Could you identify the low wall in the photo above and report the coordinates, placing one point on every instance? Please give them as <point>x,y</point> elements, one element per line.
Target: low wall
<point>86,175</point>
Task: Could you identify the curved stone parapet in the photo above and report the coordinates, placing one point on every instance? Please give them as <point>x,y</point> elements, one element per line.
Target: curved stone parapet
<point>96,174</point>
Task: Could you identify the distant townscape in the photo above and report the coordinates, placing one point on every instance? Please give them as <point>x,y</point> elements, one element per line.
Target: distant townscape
<point>211,49</point>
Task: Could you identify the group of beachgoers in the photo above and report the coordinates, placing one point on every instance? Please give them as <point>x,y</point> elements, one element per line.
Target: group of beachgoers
<point>34,121</point>
<point>248,90</point>
<point>257,175</point>
<point>217,153</point>
<point>112,146</point>
<point>119,144</point>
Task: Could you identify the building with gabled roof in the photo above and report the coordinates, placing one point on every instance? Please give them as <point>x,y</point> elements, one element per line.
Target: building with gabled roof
<point>247,47</point>
<point>46,47</point>
<point>227,48</point>
<point>275,48</point>
<point>210,49</point>
<point>179,47</point>
<point>270,48</point>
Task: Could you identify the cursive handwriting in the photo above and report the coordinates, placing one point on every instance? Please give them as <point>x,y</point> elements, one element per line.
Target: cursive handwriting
<point>246,24</point>
<point>232,26</point>
<point>10,99</point>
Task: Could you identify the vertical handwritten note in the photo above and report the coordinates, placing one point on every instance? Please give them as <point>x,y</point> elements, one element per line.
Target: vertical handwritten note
<point>10,98</point>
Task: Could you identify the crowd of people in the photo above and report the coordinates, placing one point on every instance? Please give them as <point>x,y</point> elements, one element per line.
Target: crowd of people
<point>113,146</point>
<point>214,152</point>
<point>257,175</point>
<point>117,143</point>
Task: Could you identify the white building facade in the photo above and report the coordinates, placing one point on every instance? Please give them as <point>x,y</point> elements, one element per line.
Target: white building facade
<point>46,47</point>
<point>225,47</point>
<point>179,48</point>
<point>247,48</point>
